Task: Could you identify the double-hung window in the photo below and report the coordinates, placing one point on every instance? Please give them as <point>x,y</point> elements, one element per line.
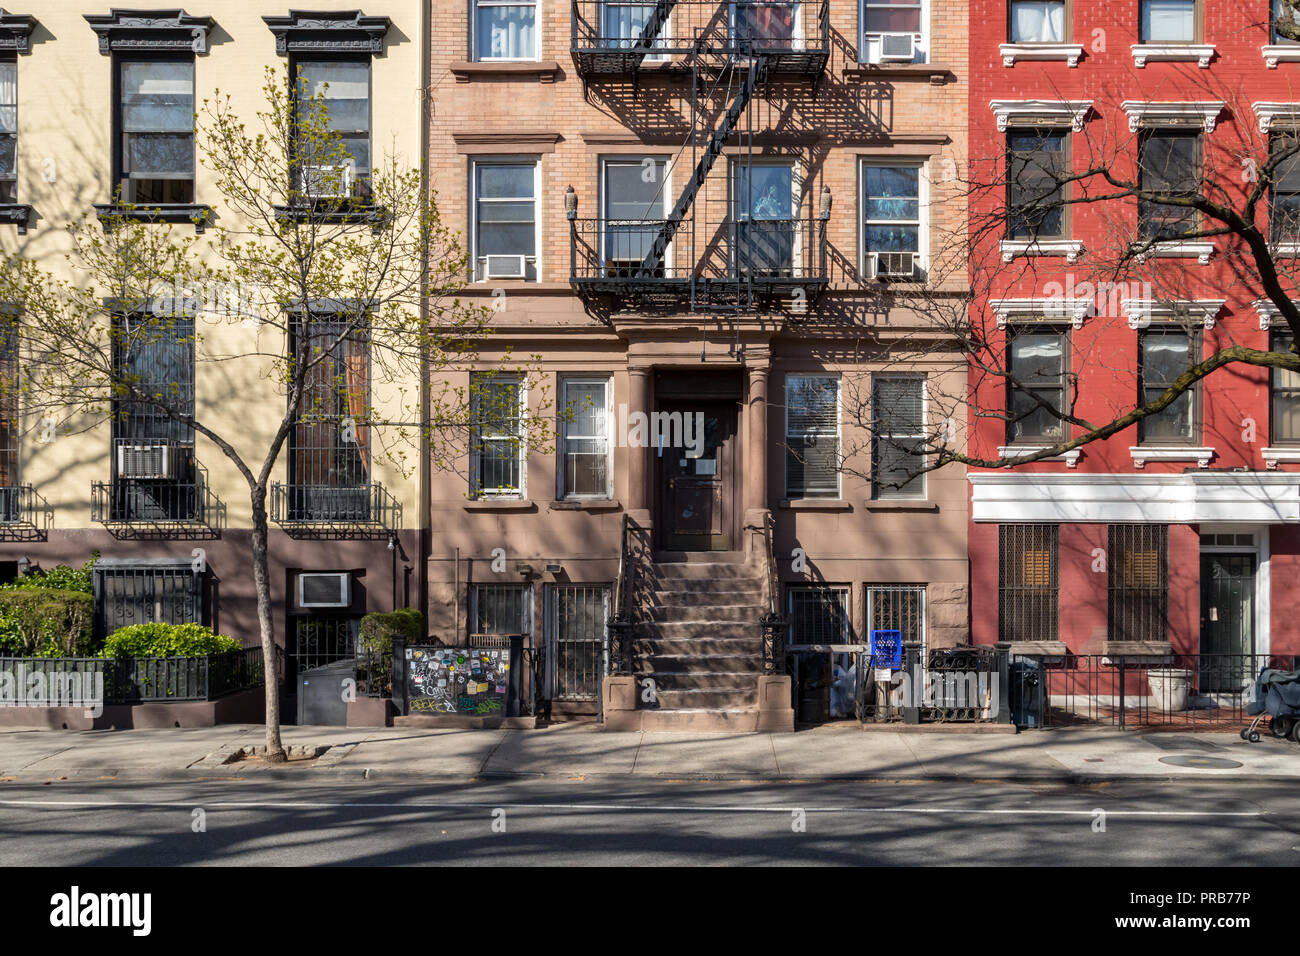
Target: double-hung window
<point>623,24</point>
<point>812,436</point>
<point>897,607</point>
<point>1037,21</point>
<point>898,434</point>
<point>336,165</point>
<point>1284,425</point>
<point>888,23</point>
<point>8,131</point>
<point>1038,364</point>
<point>505,219</point>
<point>497,451</point>
<point>585,456</point>
<point>155,127</point>
<point>505,30</point>
<point>1169,167</point>
<point>1165,353</point>
<point>1169,21</point>
<point>635,194</point>
<point>1284,187</point>
<point>891,220</point>
<point>1038,161</point>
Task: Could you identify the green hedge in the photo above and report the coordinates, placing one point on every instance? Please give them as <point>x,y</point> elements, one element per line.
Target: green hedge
<point>166,640</point>
<point>377,633</point>
<point>45,622</point>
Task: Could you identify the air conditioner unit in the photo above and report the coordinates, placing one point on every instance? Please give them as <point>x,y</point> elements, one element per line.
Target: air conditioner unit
<point>327,182</point>
<point>898,47</point>
<point>145,461</point>
<point>504,267</point>
<point>895,265</point>
<point>325,590</point>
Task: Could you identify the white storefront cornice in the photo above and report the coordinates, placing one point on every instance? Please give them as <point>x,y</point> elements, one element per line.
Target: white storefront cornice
<point>1070,52</point>
<point>1221,497</point>
<point>1147,113</point>
<point>1060,111</point>
<point>1043,310</point>
<point>1202,53</point>
<point>1269,113</point>
<point>1142,312</point>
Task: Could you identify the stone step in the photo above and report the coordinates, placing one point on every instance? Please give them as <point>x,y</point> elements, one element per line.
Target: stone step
<point>734,648</point>
<point>684,613</point>
<point>685,630</point>
<point>705,596</point>
<point>735,699</point>
<point>742,720</point>
<point>706,572</point>
<point>745,663</point>
<point>727,681</point>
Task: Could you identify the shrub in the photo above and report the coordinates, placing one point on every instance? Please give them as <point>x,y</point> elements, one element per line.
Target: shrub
<point>46,622</point>
<point>166,640</point>
<point>377,633</point>
<point>60,578</point>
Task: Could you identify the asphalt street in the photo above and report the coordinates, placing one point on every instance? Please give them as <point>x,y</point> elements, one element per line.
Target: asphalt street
<point>658,822</point>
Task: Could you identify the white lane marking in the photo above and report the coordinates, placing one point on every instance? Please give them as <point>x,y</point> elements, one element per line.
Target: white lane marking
<point>611,807</point>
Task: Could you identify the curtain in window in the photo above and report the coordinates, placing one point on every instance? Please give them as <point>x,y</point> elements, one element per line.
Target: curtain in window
<point>358,378</point>
<point>507,32</point>
<point>1038,22</point>
<point>812,437</point>
<point>1168,21</point>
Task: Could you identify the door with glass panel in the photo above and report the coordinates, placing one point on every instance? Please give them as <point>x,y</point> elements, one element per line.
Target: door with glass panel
<point>766,231</point>
<point>623,26</point>
<point>634,194</point>
<point>577,645</point>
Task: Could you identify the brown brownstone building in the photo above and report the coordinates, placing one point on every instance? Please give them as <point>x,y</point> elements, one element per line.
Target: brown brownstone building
<point>702,214</point>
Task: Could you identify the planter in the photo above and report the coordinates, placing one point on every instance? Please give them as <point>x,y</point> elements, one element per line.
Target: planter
<point>1169,687</point>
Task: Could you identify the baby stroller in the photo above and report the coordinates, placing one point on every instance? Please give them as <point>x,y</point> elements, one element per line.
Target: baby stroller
<point>1277,697</point>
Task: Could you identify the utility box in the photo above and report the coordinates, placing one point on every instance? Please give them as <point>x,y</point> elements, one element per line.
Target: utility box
<point>322,694</point>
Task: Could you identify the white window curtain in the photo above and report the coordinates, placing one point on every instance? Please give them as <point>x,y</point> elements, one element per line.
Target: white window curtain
<point>1038,22</point>
<point>506,31</point>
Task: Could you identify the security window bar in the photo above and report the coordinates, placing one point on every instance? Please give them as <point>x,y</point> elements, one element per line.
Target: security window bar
<point>1284,187</point>
<point>1164,355</point>
<point>1169,21</point>
<point>501,609</point>
<point>505,220</point>
<point>330,445</point>
<point>891,213</point>
<point>155,124</point>
<point>497,441</point>
<point>505,30</point>
<point>1138,577</point>
<point>635,195</point>
<point>321,639</point>
<point>1028,582</point>
<point>8,131</point>
<point>1038,367</point>
<point>1284,423</point>
<point>812,436</point>
<point>342,87</point>
<point>1169,167</point>
<point>898,436</point>
<point>143,595</point>
<point>585,445</point>
<point>1038,161</point>
<point>897,607</point>
<point>579,615</point>
<point>1037,21</point>
<point>819,615</point>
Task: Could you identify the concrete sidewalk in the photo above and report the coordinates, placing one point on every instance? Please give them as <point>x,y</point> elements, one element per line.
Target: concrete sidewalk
<point>582,750</point>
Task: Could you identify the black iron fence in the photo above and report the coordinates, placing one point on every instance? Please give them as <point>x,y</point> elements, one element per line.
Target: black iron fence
<point>962,685</point>
<point>67,681</point>
<point>368,504</point>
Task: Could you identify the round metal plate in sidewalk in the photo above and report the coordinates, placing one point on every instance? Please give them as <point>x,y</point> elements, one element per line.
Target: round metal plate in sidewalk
<point>1201,763</point>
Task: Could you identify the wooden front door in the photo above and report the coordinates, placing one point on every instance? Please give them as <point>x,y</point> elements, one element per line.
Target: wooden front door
<point>697,497</point>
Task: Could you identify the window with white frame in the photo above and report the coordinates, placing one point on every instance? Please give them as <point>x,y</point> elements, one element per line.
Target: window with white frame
<point>635,195</point>
<point>622,22</point>
<point>505,219</point>
<point>897,607</point>
<point>812,436</point>
<point>497,451</point>
<point>585,450</point>
<point>893,31</point>
<point>891,219</point>
<point>505,30</point>
<point>8,131</point>
<point>898,434</point>
<point>1037,21</point>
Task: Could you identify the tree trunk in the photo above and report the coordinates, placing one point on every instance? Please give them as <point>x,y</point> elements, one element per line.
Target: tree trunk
<point>262,580</point>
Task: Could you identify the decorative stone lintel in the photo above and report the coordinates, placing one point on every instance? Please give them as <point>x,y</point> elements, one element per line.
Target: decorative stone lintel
<point>15,32</point>
<point>1202,53</point>
<point>334,31</point>
<point>1275,53</point>
<point>1040,111</point>
<point>1275,456</point>
<point>1071,249</point>
<point>1143,312</point>
<point>135,31</point>
<point>1043,310</point>
<point>1071,457</point>
<point>1141,454</point>
<point>16,214</point>
<point>1269,313</point>
<point>1269,114</point>
<point>1146,113</point>
<point>1069,52</point>
<point>1173,249</point>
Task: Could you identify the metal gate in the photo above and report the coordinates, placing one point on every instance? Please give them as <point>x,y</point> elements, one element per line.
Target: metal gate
<point>322,639</point>
<point>129,592</point>
<point>577,631</point>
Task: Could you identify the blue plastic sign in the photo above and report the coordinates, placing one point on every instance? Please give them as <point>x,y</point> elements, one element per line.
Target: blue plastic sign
<point>887,649</point>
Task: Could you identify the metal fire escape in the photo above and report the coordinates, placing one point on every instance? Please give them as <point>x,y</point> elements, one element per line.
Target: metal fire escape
<point>731,51</point>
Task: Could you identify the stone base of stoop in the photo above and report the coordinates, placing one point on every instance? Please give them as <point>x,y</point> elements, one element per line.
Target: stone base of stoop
<point>953,728</point>
<point>464,722</point>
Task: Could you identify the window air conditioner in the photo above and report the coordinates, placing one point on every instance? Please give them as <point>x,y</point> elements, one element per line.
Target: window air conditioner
<point>895,265</point>
<point>145,461</point>
<point>327,182</point>
<point>899,47</point>
<point>325,590</point>
<point>503,267</point>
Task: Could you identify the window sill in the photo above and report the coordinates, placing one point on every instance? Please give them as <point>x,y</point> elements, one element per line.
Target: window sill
<point>1173,249</point>
<point>815,504</point>
<point>16,214</point>
<point>902,504</point>
<point>1036,648</point>
<point>936,73</point>
<point>1202,53</point>
<point>195,213</point>
<point>1137,648</point>
<point>586,504</point>
<point>500,504</point>
<point>333,214</point>
<point>1287,250</point>
<point>545,71</point>
<point>1071,457</point>
<point>1071,249</point>
<point>1275,456</point>
<point>1142,454</point>
<point>1280,53</point>
<point>1070,52</point>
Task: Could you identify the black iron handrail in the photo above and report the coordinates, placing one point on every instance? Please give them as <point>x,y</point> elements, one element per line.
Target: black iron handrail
<point>772,625</point>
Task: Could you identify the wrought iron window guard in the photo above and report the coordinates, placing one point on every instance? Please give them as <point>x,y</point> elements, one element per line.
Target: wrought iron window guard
<point>197,213</point>
<point>24,515</point>
<point>159,507</point>
<point>350,511</point>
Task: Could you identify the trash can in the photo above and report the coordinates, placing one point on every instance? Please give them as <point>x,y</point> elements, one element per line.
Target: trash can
<point>321,692</point>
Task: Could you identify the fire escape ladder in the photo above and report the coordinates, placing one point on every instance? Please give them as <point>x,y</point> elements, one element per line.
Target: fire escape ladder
<point>754,69</point>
